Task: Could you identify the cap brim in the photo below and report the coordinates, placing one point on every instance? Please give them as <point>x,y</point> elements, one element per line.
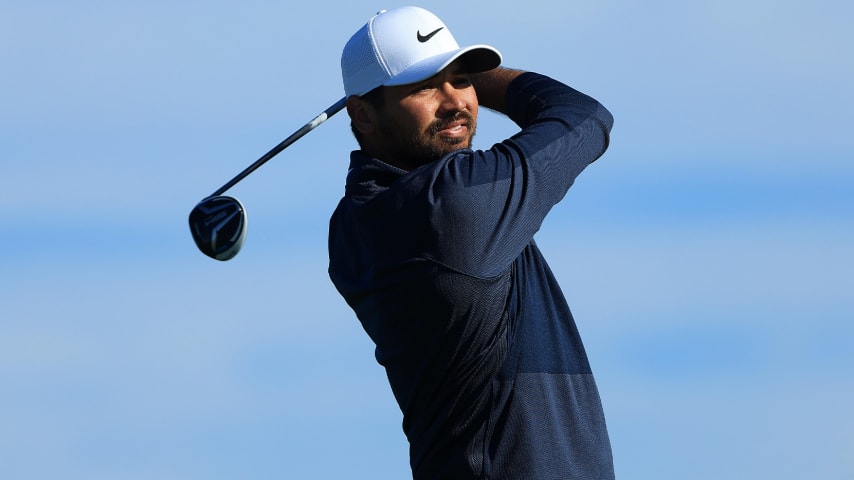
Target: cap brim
<point>474,59</point>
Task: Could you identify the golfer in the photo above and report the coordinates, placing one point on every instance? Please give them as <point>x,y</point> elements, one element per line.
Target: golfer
<point>433,247</point>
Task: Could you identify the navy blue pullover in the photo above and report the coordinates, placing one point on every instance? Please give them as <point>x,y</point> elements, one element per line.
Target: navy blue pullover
<point>441,268</point>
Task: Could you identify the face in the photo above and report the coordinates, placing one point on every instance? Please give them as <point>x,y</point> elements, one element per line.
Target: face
<point>421,122</point>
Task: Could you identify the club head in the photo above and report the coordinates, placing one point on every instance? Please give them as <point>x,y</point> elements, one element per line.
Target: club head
<point>218,225</point>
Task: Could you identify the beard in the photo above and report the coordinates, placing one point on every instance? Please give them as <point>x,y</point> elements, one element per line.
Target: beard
<point>422,147</point>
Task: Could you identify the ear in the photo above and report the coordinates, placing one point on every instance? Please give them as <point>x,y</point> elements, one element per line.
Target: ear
<point>362,115</point>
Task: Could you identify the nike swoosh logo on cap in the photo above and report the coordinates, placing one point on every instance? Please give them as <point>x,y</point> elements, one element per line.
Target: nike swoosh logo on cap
<point>424,38</point>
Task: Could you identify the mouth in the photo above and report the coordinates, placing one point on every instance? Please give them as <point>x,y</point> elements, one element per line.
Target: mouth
<point>454,129</point>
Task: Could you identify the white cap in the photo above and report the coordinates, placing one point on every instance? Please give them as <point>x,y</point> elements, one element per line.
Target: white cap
<point>406,45</point>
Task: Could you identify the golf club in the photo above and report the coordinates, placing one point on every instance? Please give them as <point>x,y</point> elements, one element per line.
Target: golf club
<point>218,223</point>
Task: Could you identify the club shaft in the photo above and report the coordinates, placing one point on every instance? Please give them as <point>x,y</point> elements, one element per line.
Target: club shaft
<point>314,123</point>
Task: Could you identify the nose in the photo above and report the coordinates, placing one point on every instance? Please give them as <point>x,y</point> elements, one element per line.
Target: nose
<point>452,98</point>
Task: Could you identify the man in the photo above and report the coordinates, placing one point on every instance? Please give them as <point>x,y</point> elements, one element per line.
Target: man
<point>432,246</point>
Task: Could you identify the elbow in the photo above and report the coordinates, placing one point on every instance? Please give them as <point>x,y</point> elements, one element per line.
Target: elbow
<point>604,121</point>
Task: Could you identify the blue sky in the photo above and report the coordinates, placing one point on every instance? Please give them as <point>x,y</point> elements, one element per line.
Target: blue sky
<point>707,256</point>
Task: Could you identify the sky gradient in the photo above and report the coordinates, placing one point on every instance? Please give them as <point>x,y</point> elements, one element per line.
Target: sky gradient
<point>707,256</point>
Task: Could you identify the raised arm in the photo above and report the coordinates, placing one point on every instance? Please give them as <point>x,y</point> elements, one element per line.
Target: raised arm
<point>491,87</point>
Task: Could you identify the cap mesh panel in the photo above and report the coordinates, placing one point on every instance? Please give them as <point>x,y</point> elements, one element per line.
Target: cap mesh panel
<point>358,57</point>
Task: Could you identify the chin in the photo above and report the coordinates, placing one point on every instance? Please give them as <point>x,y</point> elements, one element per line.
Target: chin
<point>456,143</point>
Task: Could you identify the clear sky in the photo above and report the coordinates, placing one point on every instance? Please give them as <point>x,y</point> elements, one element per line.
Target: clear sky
<point>707,256</point>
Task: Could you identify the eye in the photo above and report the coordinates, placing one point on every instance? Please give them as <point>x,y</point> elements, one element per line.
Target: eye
<point>462,81</point>
<point>421,87</point>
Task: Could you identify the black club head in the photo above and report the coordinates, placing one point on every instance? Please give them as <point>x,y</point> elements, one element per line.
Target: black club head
<point>218,225</point>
